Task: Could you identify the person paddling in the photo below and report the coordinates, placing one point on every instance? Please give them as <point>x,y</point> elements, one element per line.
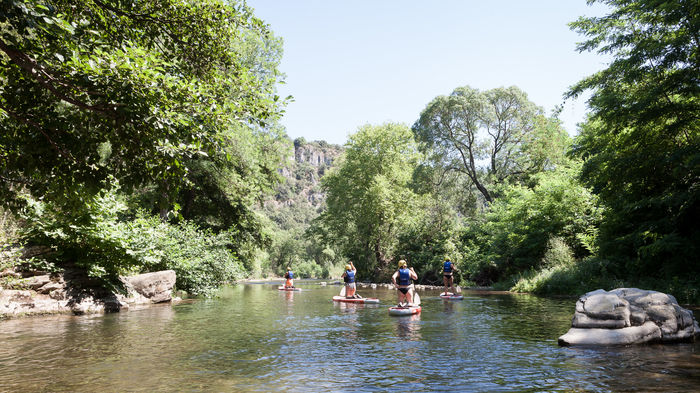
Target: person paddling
<point>405,285</point>
<point>349,278</point>
<point>290,278</point>
<point>448,268</point>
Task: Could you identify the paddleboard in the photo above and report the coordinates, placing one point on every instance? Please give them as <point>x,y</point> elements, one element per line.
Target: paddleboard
<point>451,296</point>
<point>364,300</point>
<point>282,288</point>
<point>404,310</point>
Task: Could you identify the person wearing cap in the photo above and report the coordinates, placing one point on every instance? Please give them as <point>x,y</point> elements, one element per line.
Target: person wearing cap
<point>448,268</point>
<point>290,278</point>
<point>405,283</point>
<point>349,278</point>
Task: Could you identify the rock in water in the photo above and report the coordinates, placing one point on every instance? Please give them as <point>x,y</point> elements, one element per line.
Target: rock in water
<point>156,286</point>
<point>629,316</point>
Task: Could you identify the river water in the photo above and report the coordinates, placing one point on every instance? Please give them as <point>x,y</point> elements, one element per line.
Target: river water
<point>255,338</point>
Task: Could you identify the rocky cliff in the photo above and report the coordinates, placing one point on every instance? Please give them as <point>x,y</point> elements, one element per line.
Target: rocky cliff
<point>303,173</point>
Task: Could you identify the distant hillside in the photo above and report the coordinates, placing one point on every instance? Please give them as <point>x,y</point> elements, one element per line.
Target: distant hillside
<point>299,198</point>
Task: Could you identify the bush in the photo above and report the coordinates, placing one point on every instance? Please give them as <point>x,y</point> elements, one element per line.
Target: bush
<point>308,269</point>
<point>105,243</point>
<point>202,260</point>
<point>568,279</point>
<point>519,227</point>
<point>558,253</point>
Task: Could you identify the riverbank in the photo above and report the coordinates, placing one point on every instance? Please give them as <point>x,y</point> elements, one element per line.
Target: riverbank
<point>72,292</point>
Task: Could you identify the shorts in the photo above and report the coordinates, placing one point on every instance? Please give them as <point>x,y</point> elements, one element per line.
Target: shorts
<point>350,285</point>
<point>447,276</point>
<point>404,290</point>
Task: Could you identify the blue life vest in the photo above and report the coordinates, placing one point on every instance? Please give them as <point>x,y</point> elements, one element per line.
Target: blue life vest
<point>289,275</point>
<point>404,276</point>
<point>349,276</point>
<point>447,267</point>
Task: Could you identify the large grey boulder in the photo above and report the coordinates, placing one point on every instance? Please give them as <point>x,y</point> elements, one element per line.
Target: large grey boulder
<point>157,287</point>
<point>629,316</point>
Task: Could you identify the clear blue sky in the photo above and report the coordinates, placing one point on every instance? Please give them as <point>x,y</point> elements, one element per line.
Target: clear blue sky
<point>350,63</point>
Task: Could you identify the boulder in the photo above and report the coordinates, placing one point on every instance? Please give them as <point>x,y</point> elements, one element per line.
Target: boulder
<point>37,282</point>
<point>597,336</point>
<point>71,292</point>
<point>156,286</point>
<point>629,316</point>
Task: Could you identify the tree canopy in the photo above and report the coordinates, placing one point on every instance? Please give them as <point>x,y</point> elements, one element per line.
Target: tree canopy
<point>641,144</point>
<point>94,90</point>
<point>498,127</point>
<point>368,196</point>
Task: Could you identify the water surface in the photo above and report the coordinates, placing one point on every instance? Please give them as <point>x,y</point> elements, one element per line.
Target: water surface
<point>255,338</point>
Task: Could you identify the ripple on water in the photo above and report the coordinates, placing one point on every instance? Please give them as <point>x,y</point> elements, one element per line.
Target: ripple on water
<point>255,338</point>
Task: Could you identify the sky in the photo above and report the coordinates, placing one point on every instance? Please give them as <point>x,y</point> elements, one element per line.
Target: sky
<point>351,63</point>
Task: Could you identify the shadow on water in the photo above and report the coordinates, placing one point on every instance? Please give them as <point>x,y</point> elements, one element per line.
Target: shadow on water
<point>255,338</point>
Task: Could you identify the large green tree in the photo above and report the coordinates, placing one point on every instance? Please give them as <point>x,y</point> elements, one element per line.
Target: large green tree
<point>641,144</point>
<point>491,137</point>
<point>97,89</point>
<point>171,102</point>
<point>368,195</point>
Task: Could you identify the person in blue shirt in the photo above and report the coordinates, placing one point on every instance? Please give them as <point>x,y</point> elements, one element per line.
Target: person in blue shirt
<point>448,269</point>
<point>405,278</point>
<point>349,277</point>
<point>290,278</point>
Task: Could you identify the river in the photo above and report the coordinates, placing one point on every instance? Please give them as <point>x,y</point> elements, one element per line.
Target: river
<point>255,338</point>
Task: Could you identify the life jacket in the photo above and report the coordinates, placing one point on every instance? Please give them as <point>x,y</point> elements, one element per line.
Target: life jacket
<point>447,267</point>
<point>404,276</point>
<point>289,275</point>
<point>349,276</point>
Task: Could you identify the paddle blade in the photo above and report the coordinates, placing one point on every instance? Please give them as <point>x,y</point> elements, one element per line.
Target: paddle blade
<point>458,289</point>
<point>342,291</point>
<point>416,299</point>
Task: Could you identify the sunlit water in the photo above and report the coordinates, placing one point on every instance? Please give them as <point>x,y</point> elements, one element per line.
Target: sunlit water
<point>255,338</point>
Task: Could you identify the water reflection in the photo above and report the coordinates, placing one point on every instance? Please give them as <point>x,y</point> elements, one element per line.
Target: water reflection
<point>447,305</point>
<point>408,327</point>
<point>256,338</point>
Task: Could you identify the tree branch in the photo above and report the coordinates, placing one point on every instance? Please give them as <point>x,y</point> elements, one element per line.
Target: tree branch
<point>37,72</point>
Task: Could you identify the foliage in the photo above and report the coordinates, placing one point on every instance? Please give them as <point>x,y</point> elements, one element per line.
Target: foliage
<point>106,243</point>
<point>202,260</point>
<point>368,198</point>
<point>170,101</point>
<point>431,233</point>
<point>90,90</point>
<point>296,203</point>
<point>499,126</point>
<point>568,279</point>
<point>426,240</point>
<point>641,145</point>
<point>9,228</point>
<point>86,237</point>
<point>308,269</point>
<point>515,232</point>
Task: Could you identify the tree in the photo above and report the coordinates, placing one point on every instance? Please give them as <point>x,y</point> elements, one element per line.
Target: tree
<point>93,90</point>
<point>368,197</point>
<point>641,143</point>
<point>169,102</point>
<point>515,232</point>
<point>500,127</point>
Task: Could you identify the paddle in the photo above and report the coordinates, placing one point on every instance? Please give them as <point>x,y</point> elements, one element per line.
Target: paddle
<point>458,288</point>
<point>416,298</point>
<point>342,291</point>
